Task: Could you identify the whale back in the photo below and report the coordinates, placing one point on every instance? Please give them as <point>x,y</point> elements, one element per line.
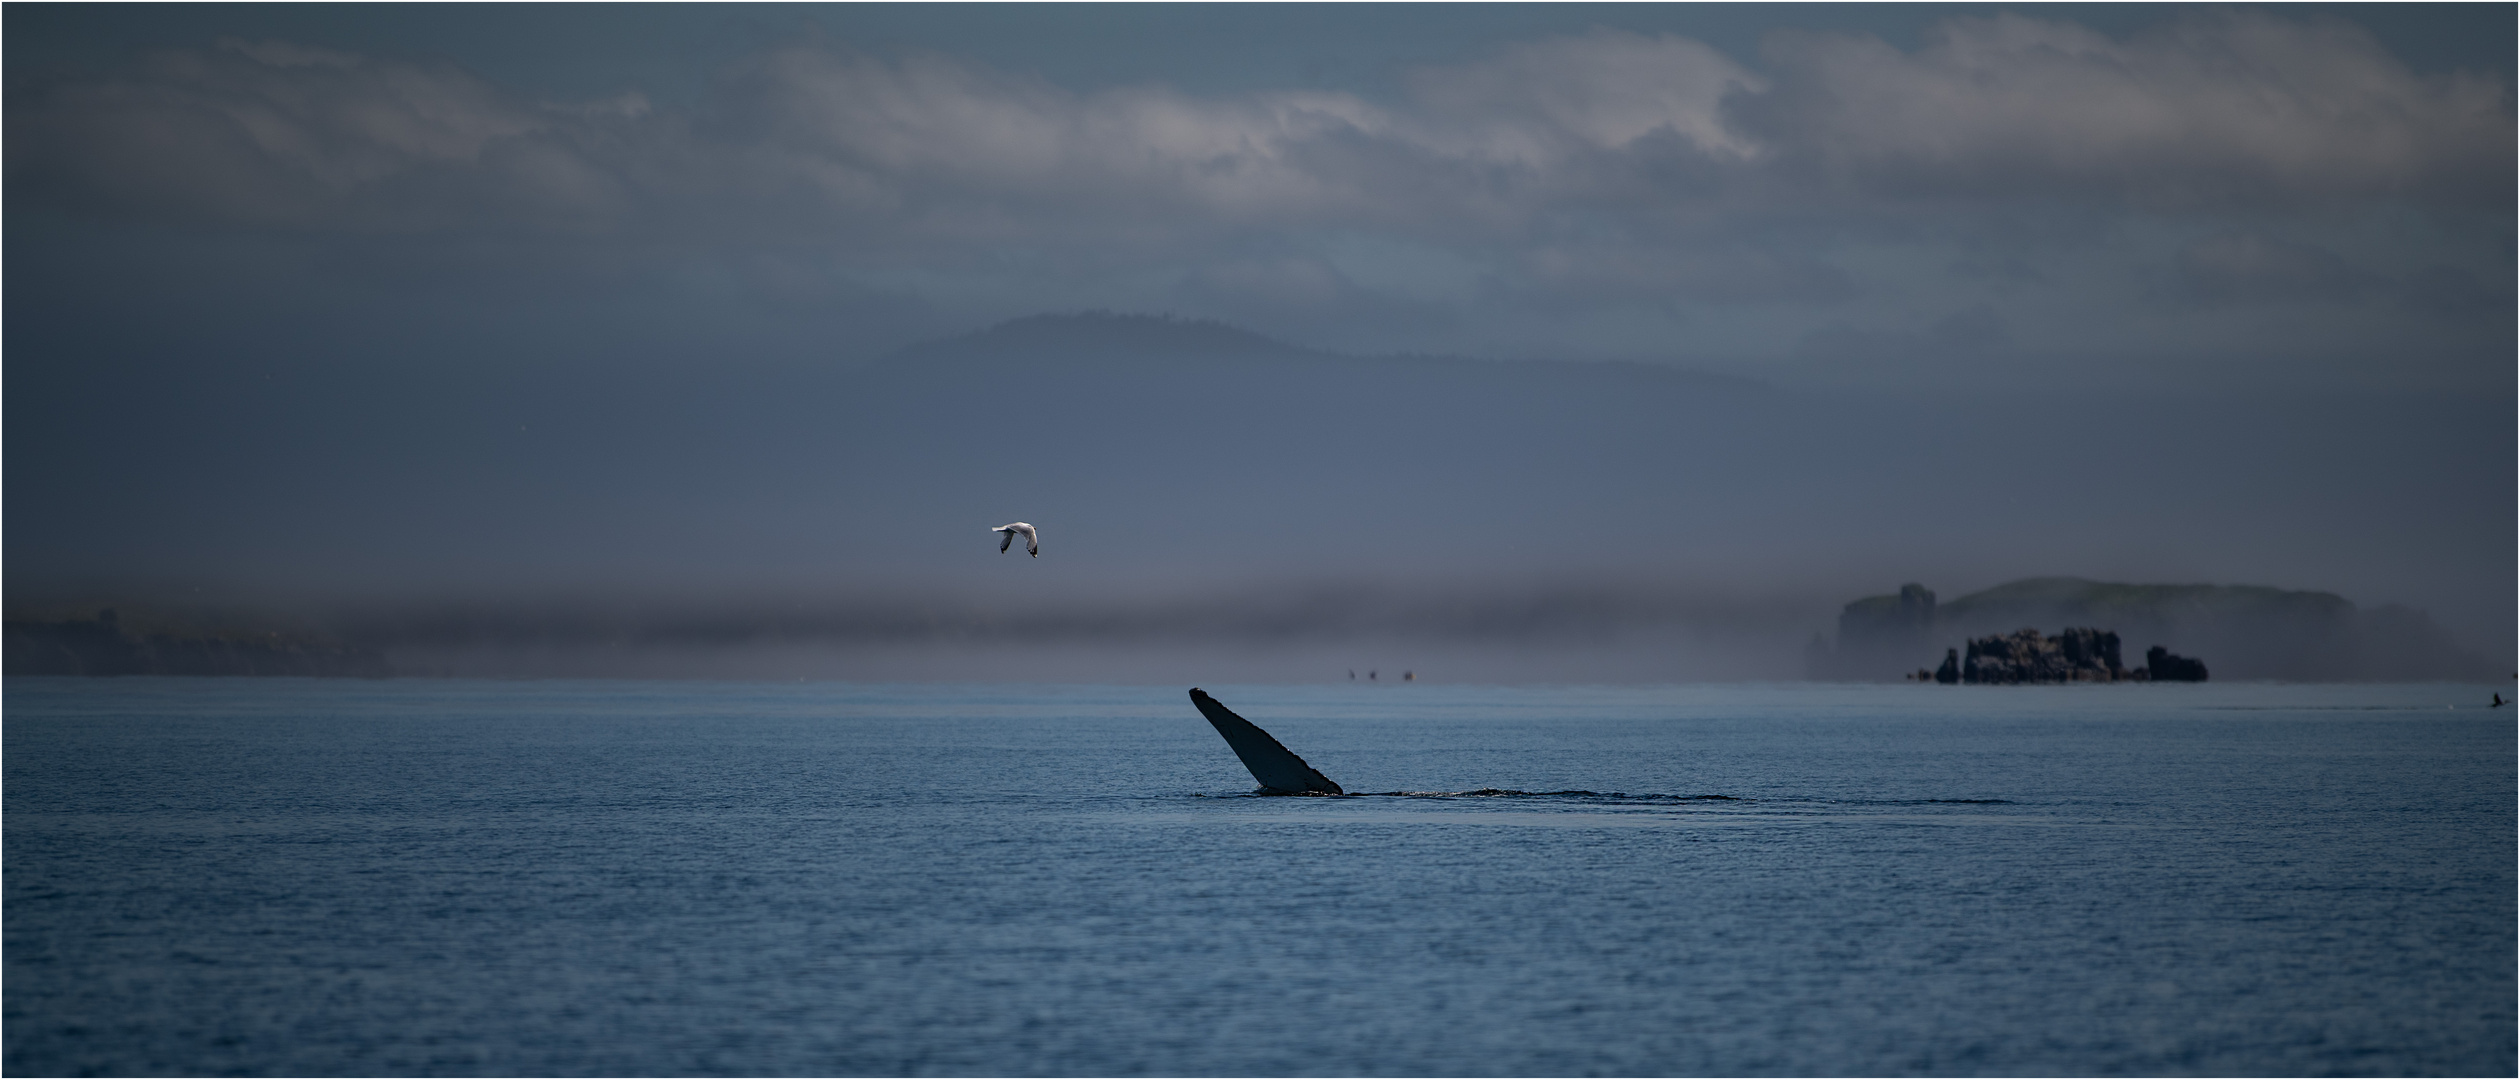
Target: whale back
<point>1271,763</point>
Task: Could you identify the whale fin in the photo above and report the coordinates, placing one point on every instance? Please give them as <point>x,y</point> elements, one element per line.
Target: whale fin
<point>1276,767</point>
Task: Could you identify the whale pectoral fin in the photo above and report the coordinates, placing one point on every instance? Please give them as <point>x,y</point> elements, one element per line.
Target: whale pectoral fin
<point>1271,763</point>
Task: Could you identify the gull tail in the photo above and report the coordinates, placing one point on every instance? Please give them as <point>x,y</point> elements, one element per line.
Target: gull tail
<point>1271,763</point>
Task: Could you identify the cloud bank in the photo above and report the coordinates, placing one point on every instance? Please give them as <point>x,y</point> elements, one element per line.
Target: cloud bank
<point>2211,110</point>
<point>1603,194</point>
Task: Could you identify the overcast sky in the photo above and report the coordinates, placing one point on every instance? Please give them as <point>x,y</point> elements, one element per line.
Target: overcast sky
<point>1942,201</point>
<point>1825,194</point>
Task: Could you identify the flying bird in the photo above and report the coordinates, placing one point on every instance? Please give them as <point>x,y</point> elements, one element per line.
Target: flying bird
<point>1032,538</point>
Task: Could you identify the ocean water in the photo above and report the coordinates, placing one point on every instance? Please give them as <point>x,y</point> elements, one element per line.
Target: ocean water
<point>437,877</point>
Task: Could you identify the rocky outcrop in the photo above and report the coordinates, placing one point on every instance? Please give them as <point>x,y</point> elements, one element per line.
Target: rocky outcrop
<point>2027,656</point>
<point>2162,665</point>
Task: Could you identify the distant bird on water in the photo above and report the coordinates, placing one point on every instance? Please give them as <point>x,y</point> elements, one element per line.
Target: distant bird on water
<point>1032,538</point>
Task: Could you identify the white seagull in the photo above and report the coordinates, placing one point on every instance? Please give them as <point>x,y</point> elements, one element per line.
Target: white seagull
<point>1032,538</point>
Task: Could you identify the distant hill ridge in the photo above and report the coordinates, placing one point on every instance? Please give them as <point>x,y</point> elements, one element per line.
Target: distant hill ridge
<point>2242,631</point>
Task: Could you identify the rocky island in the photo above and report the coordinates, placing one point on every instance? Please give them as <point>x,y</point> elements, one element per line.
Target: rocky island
<point>2079,654</point>
<point>2250,632</point>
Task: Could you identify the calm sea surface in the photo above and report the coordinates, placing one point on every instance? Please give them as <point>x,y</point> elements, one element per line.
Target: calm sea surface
<point>415,876</point>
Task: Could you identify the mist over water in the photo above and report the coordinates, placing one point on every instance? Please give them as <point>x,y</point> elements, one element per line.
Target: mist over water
<point>1198,486</point>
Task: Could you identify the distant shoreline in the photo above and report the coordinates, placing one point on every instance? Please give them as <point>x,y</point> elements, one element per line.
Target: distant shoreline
<point>103,647</point>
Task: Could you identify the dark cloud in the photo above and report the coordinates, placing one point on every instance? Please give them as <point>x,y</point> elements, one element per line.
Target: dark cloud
<point>1606,194</point>
<point>2238,267</point>
<point>2214,110</point>
<point>281,134</point>
<point>2456,293</point>
<point>2232,107</point>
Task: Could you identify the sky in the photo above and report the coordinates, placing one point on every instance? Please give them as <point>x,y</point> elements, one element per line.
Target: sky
<point>267,259</point>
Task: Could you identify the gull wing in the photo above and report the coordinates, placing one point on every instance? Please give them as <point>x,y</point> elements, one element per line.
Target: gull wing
<point>1007,542</point>
<point>1271,763</point>
<point>1032,542</point>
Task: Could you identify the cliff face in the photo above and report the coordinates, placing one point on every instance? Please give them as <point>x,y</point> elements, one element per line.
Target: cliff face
<point>2248,632</point>
<point>1884,635</point>
<point>103,647</point>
